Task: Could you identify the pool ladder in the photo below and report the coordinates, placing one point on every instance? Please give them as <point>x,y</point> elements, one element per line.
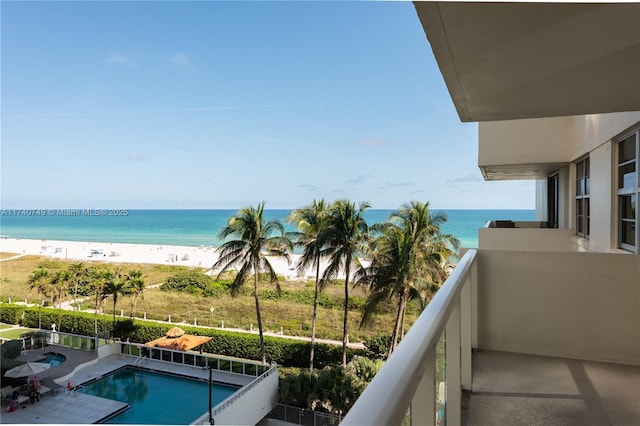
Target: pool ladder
<point>140,360</point>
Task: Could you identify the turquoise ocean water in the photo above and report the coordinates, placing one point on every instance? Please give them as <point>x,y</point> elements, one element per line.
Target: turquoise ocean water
<point>194,227</point>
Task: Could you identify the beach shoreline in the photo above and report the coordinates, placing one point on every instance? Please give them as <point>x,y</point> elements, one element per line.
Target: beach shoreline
<point>201,257</point>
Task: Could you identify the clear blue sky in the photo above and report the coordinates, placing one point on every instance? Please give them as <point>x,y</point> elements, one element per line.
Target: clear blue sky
<point>225,104</point>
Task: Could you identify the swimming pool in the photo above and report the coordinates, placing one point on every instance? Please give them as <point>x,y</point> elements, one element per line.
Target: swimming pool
<point>156,398</point>
<point>53,358</point>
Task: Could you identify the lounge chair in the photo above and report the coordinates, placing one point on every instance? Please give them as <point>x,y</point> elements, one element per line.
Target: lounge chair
<point>48,385</point>
<point>7,392</point>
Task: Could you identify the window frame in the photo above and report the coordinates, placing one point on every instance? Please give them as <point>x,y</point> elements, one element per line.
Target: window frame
<point>583,197</point>
<point>633,191</point>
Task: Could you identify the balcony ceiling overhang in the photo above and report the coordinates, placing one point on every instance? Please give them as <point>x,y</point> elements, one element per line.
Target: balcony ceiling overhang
<point>520,171</point>
<point>504,61</point>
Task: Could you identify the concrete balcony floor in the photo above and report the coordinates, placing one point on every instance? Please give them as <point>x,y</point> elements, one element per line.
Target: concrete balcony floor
<point>520,389</point>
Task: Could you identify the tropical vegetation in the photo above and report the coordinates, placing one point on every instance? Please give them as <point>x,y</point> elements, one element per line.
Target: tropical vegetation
<point>255,238</point>
<point>389,271</point>
<point>311,237</point>
<point>410,260</point>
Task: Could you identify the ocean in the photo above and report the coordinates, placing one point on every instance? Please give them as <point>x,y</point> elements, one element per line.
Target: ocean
<point>192,227</point>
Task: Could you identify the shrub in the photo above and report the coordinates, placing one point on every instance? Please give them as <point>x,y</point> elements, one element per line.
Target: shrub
<point>285,352</point>
<point>10,350</point>
<point>192,281</point>
<point>377,346</point>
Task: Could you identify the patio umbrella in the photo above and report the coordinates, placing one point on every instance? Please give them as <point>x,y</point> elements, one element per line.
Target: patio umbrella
<point>175,332</point>
<point>182,343</point>
<point>27,369</point>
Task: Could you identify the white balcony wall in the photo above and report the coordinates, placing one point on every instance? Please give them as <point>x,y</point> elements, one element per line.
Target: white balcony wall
<point>548,140</point>
<point>527,239</point>
<point>532,141</point>
<point>568,304</point>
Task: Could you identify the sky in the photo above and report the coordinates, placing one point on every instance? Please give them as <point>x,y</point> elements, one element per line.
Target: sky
<point>227,104</point>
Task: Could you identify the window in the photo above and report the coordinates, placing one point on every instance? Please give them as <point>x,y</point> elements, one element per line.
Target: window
<point>583,198</point>
<point>553,201</point>
<point>628,188</point>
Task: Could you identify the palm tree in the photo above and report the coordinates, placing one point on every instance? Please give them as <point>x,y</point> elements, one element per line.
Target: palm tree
<point>78,272</point>
<point>136,284</point>
<point>39,279</point>
<point>60,284</point>
<point>312,223</point>
<point>363,371</point>
<point>115,287</point>
<point>299,389</point>
<point>256,238</point>
<point>337,388</point>
<point>99,279</point>
<point>409,261</point>
<point>347,233</point>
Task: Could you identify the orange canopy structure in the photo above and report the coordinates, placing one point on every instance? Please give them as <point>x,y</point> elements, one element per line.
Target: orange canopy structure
<point>176,339</point>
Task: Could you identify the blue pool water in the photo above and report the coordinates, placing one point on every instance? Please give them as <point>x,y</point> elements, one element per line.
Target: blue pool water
<point>53,358</point>
<point>157,398</point>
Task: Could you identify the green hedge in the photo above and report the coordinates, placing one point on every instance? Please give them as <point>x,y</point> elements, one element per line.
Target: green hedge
<point>285,352</point>
<point>305,297</point>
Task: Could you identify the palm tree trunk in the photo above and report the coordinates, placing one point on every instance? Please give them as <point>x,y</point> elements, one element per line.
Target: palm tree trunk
<point>59,310</point>
<point>95,315</point>
<point>396,326</point>
<point>255,293</point>
<point>315,312</point>
<point>345,336</point>
<point>40,314</point>
<point>404,312</point>
<point>75,307</point>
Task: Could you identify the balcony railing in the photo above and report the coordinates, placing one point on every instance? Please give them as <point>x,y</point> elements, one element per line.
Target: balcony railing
<point>194,359</point>
<point>424,377</point>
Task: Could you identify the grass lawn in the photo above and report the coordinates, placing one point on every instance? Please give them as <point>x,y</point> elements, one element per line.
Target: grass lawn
<point>5,255</point>
<point>292,316</point>
<point>13,333</point>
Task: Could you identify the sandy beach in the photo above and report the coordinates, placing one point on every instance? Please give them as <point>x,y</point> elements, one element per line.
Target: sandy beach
<point>203,256</point>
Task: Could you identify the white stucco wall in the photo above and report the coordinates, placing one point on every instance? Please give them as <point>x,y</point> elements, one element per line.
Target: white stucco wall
<point>528,239</point>
<point>591,131</point>
<point>548,140</point>
<point>531,141</point>
<point>603,199</point>
<point>591,135</point>
<point>541,200</point>
<point>250,405</point>
<point>581,305</point>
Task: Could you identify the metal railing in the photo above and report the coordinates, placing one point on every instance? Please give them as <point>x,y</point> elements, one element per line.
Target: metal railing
<point>41,338</point>
<point>215,362</point>
<point>413,384</point>
<point>302,416</point>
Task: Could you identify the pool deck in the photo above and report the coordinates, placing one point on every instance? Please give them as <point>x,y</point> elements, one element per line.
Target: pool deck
<point>82,366</point>
<point>75,358</point>
<point>63,408</point>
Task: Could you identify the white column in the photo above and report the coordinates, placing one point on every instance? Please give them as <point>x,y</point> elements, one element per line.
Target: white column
<point>465,335</point>
<point>454,391</point>
<point>423,404</point>
<point>474,302</point>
